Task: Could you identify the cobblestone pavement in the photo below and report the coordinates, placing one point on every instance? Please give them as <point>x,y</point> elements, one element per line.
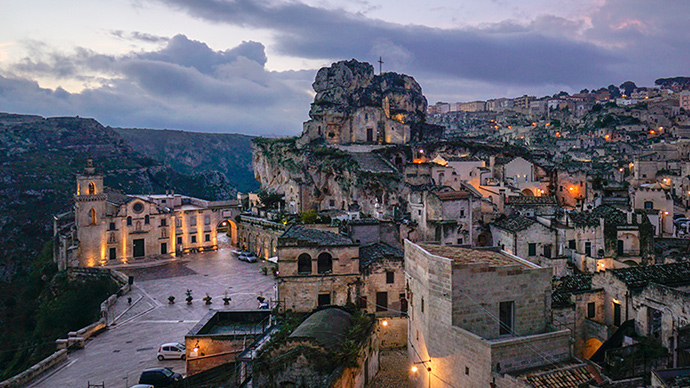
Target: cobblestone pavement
<point>394,372</point>
<point>136,329</point>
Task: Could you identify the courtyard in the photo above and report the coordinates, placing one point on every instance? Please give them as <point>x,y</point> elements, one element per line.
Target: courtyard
<point>138,327</point>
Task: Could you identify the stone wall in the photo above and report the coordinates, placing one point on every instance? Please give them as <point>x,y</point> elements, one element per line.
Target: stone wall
<point>456,356</point>
<point>478,290</point>
<point>28,375</point>
<point>259,236</point>
<point>375,281</point>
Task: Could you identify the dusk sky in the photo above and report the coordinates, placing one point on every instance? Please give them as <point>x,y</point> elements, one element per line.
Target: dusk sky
<point>247,66</point>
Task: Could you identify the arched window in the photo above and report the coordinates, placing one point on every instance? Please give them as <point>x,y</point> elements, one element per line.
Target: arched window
<point>304,263</point>
<point>147,219</point>
<point>92,216</point>
<point>325,263</point>
<point>129,221</point>
<point>92,188</point>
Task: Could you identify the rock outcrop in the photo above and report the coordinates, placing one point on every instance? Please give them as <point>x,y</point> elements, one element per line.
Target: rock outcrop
<point>353,105</point>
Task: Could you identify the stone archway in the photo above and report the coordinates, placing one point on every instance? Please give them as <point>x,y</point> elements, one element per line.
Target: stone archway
<point>230,227</point>
<point>527,193</point>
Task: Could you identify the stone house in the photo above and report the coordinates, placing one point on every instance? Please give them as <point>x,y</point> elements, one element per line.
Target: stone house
<point>656,297</point>
<point>477,317</point>
<point>545,205</point>
<point>529,178</point>
<point>657,202</point>
<point>525,237</point>
<point>316,268</point>
<point>445,215</point>
<point>111,227</point>
<point>383,276</point>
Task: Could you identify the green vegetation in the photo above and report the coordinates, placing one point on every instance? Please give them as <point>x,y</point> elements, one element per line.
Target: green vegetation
<point>42,305</point>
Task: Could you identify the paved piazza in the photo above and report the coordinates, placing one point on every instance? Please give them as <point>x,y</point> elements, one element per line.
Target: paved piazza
<point>117,356</point>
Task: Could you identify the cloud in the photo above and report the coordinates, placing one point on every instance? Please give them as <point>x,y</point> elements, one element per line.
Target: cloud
<point>184,85</point>
<point>520,55</point>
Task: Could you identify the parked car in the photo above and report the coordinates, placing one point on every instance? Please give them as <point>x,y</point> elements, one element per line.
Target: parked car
<point>171,350</point>
<point>248,257</point>
<point>142,386</point>
<point>159,377</point>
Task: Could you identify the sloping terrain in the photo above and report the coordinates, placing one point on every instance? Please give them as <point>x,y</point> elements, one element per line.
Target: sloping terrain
<point>196,152</point>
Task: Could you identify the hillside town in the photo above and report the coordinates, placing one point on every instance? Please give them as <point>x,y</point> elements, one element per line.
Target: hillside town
<point>514,242</point>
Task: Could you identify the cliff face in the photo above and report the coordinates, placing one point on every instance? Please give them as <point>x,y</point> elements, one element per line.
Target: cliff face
<point>324,178</point>
<point>40,159</point>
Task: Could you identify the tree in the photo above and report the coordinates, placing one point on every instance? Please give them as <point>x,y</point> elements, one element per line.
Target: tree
<point>271,199</point>
<point>615,92</point>
<point>584,91</point>
<point>628,87</point>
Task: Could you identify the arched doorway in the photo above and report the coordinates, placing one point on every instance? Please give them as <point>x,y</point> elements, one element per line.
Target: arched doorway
<point>230,227</point>
<point>527,193</point>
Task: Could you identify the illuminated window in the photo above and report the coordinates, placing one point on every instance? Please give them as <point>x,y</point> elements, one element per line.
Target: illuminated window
<point>92,188</point>
<point>92,216</point>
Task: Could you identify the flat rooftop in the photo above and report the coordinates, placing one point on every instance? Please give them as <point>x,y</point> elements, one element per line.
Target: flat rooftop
<point>473,256</point>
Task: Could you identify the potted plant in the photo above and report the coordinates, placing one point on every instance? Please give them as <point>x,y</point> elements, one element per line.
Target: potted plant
<point>207,298</point>
<point>189,296</point>
<point>171,299</point>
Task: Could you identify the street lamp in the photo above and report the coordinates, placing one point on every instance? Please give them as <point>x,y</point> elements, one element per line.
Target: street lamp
<point>414,369</point>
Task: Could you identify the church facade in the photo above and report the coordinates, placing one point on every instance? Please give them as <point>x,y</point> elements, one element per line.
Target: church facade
<point>110,227</point>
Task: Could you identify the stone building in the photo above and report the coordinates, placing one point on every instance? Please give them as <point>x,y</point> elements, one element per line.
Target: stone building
<point>110,227</point>
<point>259,236</point>
<point>525,237</point>
<point>656,297</point>
<point>657,202</point>
<point>316,268</point>
<point>478,317</point>
<point>353,105</point>
<point>383,277</point>
<point>445,215</point>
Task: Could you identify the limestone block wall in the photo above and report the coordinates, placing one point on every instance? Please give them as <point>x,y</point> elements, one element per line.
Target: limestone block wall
<point>478,290</point>
<point>259,236</point>
<point>213,350</point>
<point>300,293</point>
<point>375,281</point>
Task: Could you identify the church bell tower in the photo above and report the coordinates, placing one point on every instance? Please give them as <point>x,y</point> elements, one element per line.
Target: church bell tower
<point>89,210</point>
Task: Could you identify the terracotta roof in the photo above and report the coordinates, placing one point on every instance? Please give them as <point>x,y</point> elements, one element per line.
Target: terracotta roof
<point>471,256</point>
<point>306,236</point>
<point>568,377</point>
<point>370,254</point>
<point>515,223</point>
<point>452,195</point>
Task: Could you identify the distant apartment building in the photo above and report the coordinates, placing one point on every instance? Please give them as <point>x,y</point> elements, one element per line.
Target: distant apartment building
<point>474,106</point>
<point>684,100</point>
<point>499,104</point>
<point>523,102</point>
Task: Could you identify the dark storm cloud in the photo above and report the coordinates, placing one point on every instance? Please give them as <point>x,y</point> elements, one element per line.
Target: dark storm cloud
<point>184,85</point>
<point>525,56</point>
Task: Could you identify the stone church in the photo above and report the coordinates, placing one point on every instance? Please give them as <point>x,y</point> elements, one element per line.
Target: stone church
<point>110,227</point>
<point>354,106</point>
